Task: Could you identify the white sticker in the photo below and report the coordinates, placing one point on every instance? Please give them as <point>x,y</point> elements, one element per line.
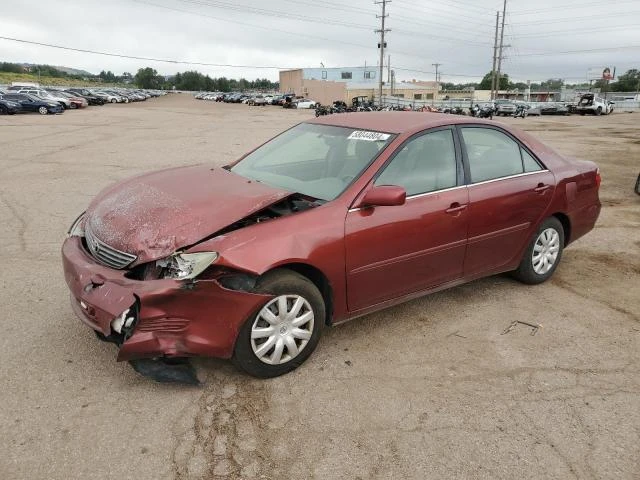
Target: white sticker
<point>368,136</point>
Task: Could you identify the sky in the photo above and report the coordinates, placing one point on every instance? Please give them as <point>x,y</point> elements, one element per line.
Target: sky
<point>543,39</point>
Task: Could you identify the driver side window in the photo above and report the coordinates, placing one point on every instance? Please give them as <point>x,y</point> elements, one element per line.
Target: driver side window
<point>425,164</point>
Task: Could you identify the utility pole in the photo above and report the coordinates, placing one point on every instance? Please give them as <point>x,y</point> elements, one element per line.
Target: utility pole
<point>437,65</point>
<point>392,82</point>
<point>389,69</point>
<point>495,57</point>
<point>504,14</point>
<point>382,45</point>
<point>437,78</point>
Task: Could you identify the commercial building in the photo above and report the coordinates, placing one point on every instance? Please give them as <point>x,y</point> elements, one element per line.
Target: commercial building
<point>326,85</point>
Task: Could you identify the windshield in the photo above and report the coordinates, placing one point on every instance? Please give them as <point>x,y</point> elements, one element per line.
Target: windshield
<point>319,161</point>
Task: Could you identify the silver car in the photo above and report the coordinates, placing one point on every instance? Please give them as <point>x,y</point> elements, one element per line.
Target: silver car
<point>505,107</point>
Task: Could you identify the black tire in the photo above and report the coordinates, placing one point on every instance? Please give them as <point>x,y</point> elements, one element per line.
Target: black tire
<point>280,282</point>
<point>637,189</point>
<point>599,111</point>
<point>4,110</point>
<point>525,271</point>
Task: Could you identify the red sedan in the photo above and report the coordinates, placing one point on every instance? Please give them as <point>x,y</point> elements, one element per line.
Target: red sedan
<point>332,219</point>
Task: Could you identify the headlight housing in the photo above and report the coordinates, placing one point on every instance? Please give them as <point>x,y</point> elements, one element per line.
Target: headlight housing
<point>185,266</point>
<point>77,227</point>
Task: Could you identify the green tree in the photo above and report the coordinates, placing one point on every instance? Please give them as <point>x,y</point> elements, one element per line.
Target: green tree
<point>191,80</point>
<point>107,76</point>
<point>485,84</point>
<point>148,78</point>
<point>223,84</point>
<point>627,82</point>
<point>552,84</point>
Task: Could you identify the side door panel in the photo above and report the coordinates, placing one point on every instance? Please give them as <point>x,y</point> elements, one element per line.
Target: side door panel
<point>502,216</point>
<point>511,193</point>
<point>393,251</point>
<point>397,250</point>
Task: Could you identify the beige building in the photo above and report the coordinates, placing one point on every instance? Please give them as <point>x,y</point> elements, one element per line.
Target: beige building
<point>344,84</point>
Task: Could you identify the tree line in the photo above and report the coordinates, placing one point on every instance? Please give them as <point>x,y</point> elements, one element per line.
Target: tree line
<point>196,81</point>
<point>627,82</point>
<point>149,78</point>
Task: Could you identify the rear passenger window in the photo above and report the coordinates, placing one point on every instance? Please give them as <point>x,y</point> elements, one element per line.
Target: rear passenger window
<point>530,164</point>
<point>491,154</point>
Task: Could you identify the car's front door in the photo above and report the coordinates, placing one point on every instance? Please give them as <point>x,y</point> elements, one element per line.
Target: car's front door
<point>397,250</point>
<point>509,190</point>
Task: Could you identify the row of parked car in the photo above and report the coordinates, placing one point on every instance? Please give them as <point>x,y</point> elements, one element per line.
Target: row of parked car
<point>588,103</point>
<point>259,99</point>
<point>30,98</point>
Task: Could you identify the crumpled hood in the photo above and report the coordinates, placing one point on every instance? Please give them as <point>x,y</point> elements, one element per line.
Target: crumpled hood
<point>155,214</point>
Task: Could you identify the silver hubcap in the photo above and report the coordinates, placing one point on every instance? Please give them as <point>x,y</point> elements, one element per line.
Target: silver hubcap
<point>545,251</point>
<point>282,329</point>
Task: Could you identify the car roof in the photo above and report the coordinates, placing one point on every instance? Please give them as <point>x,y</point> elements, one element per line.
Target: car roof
<point>394,122</point>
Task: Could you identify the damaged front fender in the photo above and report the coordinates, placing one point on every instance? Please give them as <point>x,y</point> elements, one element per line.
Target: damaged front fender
<point>172,320</point>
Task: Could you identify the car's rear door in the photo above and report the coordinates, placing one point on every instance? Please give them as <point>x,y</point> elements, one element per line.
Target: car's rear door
<point>397,250</point>
<point>509,190</point>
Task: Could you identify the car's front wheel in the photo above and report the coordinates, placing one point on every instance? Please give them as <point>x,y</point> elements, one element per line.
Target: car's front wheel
<point>283,333</point>
<point>543,253</point>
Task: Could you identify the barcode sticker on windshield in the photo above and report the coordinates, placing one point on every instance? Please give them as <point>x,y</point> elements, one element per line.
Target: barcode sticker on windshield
<point>368,136</point>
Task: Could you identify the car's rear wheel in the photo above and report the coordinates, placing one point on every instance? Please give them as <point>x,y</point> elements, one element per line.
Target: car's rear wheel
<point>543,253</point>
<point>113,100</point>
<point>3,110</point>
<point>43,110</point>
<point>283,333</point>
<point>599,111</point>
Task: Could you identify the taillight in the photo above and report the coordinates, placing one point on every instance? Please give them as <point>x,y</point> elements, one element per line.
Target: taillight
<point>598,178</point>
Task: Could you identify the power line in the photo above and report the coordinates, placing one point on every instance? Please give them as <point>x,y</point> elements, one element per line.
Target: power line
<point>269,28</point>
<point>569,52</point>
<point>134,57</point>
<point>573,19</point>
<point>405,69</point>
<point>571,6</point>
<point>274,13</point>
<point>441,11</point>
<point>576,31</point>
<point>181,62</point>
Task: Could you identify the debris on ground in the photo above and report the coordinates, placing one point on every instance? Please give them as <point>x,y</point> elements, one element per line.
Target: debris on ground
<point>534,326</point>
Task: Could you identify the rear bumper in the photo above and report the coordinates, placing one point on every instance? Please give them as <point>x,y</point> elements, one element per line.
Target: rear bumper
<point>173,318</point>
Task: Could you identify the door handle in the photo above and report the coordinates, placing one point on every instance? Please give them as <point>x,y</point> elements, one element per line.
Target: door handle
<point>541,188</point>
<point>455,207</point>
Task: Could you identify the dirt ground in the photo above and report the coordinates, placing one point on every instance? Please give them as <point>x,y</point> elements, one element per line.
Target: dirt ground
<point>426,390</point>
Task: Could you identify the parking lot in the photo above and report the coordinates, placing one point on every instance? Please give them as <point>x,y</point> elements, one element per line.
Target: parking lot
<point>429,389</point>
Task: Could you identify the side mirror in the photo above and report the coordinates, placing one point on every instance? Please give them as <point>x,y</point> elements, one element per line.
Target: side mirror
<point>384,196</point>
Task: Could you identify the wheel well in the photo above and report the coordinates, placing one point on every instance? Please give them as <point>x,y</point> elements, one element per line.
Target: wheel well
<point>319,280</point>
<point>566,226</point>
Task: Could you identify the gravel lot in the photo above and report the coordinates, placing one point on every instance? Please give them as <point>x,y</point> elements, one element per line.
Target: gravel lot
<point>429,389</point>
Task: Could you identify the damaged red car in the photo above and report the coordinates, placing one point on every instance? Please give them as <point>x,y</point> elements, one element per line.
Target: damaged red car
<point>332,219</point>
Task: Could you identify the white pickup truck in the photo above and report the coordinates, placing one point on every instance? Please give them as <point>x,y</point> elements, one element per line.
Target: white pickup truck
<point>589,103</point>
